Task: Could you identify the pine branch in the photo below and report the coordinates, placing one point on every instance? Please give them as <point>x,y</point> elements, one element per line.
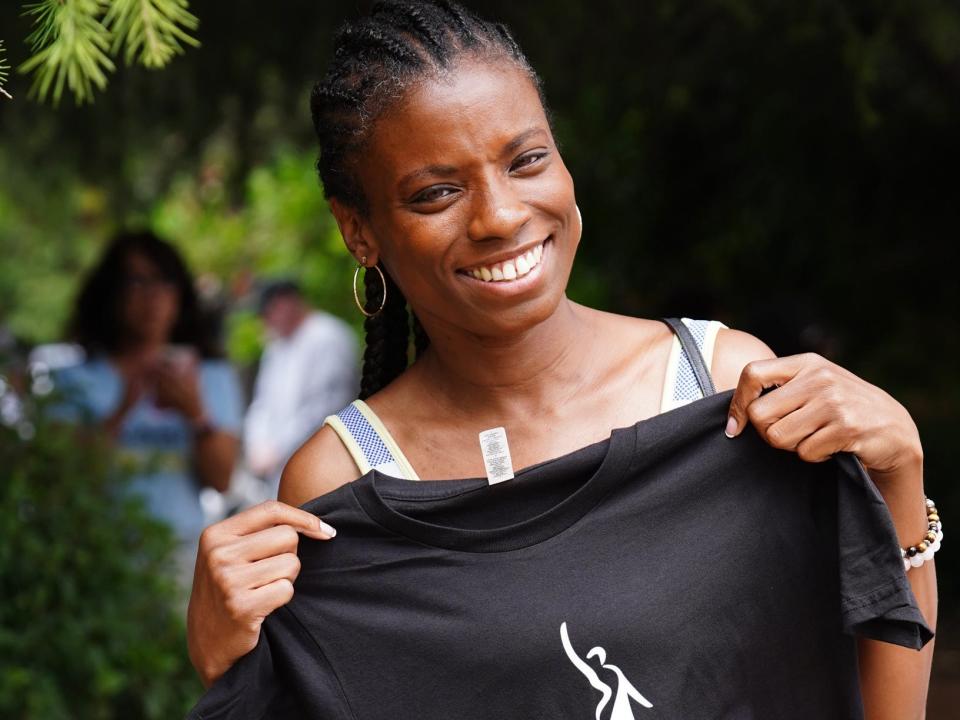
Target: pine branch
<point>4,68</point>
<point>152,29</point>
<point>70,47</point>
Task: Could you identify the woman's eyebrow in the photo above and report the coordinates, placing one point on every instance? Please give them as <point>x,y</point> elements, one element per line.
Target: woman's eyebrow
<point>448,170</point>
<point>427,171</point>
<point>520,139</point>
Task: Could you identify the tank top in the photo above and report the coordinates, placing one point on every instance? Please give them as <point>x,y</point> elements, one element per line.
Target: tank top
<point>372,446</point>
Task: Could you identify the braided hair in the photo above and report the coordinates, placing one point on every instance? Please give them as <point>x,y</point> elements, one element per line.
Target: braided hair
<point>376,60</point>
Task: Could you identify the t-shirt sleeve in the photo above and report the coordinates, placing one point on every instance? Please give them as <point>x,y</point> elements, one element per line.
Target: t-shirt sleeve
<point>222,395</point>
<point>285,676</point>
<point>876,599</point>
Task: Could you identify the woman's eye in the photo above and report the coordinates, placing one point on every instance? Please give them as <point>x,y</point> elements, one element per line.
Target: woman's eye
<point>433,194</point>
<point>528,160</point>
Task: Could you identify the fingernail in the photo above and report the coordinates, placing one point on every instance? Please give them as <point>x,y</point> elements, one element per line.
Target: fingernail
<point>731,428</point>
<point>328,529</point>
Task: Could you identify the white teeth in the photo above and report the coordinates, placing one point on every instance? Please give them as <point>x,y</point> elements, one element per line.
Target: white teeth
<point>509,269</point>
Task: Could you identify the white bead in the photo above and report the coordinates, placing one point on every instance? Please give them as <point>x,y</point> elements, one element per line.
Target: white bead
<point>927,554</point>
<point>916,560</point>
<point>906,564</point>
<point>939,535</point>
<point>936,546</point>
<point>930,503</point>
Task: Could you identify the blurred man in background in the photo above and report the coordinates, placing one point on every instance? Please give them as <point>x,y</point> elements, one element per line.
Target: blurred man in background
<point>309,369</point>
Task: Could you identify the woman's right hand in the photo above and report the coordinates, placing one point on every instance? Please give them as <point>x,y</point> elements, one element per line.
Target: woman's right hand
<point>245,570</point>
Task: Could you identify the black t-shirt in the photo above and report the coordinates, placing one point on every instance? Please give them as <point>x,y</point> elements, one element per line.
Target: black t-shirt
<point>666,572</point>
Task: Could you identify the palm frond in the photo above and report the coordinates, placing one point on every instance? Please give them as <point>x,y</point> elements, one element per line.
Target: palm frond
<point>153,31</point>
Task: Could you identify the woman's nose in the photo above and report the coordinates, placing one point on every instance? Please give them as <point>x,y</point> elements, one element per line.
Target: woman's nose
<point>498,212</point>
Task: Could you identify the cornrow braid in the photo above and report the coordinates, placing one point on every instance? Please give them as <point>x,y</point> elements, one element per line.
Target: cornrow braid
<point>376,60</point>
<point>385,355</point>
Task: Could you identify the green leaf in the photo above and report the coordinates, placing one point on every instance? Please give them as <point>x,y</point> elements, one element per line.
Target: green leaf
<point>152,30</point>
<point>70,46</point>
<point>3,73</point>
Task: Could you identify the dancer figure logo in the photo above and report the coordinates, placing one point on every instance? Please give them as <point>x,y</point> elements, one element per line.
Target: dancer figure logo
<point>625,690</point>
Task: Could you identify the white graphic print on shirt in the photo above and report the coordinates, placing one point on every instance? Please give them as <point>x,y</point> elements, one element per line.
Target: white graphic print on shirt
<point>625,690</point>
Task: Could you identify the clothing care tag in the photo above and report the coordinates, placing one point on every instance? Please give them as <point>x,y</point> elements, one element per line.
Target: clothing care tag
<point>496,455</point>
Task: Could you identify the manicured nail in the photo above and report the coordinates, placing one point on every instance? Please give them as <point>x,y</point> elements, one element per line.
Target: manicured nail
<point>328,529</point>
<point>731,428</point>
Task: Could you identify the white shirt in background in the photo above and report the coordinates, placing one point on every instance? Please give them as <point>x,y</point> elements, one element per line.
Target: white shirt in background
<point>301,380</point>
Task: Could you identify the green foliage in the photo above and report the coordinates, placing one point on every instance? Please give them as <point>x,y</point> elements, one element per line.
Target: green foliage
<point>73,40</point>
<point>151,29</point>
<point>69,48</point>
<point>283,228</point>
<point>4,68</point>
<point>90,621</point>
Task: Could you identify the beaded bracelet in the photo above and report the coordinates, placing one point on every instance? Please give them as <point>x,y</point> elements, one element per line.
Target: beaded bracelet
<point>917,555</point>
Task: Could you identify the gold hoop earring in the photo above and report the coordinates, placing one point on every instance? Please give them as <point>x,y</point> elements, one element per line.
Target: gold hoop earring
<point>356,295</point>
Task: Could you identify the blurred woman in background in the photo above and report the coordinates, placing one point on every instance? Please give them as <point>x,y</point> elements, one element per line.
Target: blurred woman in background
<point>153,380</point>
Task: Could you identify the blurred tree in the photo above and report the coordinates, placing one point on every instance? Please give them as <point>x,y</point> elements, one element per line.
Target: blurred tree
<point>90,619</point>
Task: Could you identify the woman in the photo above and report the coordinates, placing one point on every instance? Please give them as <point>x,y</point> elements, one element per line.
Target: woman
<point>438,159</point>
<point>152,380</point>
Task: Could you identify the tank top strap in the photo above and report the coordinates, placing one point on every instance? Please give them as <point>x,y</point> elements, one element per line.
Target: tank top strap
<point>369,442</point>
<point>688,366</point>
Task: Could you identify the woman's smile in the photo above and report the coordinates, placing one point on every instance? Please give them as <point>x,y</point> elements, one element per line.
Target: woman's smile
<point>518,272</point>
<point>515,266</point>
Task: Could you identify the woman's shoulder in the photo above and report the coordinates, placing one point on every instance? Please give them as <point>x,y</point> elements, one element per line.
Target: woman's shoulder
<point>218,375</point>
<point>733,350</point>
<point>320,465</point>
<point>92,371</point>
<point>217,366</point>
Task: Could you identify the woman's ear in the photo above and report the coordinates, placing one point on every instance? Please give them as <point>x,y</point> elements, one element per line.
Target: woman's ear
<point>355,232</point>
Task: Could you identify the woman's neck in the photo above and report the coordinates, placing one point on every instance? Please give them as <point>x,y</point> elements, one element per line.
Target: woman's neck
<point>525,374</point>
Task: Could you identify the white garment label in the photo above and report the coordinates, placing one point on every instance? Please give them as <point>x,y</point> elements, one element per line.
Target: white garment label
<point>496,455</point>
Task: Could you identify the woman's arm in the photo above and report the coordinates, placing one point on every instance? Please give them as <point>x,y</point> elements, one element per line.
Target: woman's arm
<point>215,448</point>
<point>830,410</point>
<point>247,563</point>
<point>215,455</point>
<point>894,680</point>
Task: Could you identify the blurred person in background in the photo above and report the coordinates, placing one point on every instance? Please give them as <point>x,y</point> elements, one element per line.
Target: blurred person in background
<point>154,381</point>
<point>309,369</point>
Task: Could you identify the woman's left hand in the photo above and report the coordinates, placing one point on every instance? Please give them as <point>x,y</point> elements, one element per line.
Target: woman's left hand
<point>818,408</point>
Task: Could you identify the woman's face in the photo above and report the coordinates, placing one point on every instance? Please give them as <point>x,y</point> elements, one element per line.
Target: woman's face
<point>151,301</point>
<point>464,180</point>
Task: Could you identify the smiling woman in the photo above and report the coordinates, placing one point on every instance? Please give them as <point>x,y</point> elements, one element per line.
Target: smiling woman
<point>438,159</point>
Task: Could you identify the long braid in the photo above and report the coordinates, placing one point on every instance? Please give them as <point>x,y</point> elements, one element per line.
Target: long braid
<point>376,60</point>
<point>384,357</point>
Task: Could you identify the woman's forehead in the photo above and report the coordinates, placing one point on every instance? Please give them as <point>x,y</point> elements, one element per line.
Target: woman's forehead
<point>472,112</point>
